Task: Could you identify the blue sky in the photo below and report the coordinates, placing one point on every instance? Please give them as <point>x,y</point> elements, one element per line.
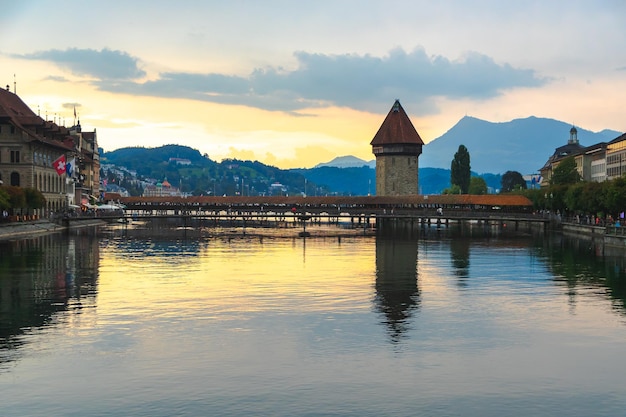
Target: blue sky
<point>296,83</point>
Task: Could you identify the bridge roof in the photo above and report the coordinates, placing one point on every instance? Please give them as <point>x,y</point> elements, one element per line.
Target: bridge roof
<point>492,200</point>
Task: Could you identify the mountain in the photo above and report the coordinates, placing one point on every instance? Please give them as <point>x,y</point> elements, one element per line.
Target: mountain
<point>347,162</point>
<point>521,145</point>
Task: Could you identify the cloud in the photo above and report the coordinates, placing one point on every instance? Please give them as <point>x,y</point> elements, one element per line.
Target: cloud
<point>56,78</point>
<point>71,106</point>
<point>355,81</point>
<point>104,64</point>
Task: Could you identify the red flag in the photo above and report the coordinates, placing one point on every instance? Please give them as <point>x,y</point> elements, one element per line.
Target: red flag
<point>59,164</point>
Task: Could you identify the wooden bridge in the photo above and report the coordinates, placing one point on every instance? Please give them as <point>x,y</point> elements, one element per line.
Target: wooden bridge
<point>371,212</point>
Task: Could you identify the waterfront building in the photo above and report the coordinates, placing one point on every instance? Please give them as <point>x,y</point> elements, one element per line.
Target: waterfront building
<point>29,145</point>
<point>571,148</point>
<point>397,147</point>
<point>593,162</point>
<point>616,158</point>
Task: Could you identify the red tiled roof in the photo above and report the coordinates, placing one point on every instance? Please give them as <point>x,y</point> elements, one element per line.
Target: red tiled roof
<point>13,108</point>
<point>502,200</point>
<point>396,129</point>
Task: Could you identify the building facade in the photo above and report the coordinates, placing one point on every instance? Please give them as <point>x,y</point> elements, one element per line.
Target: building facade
<point>397,147</point>
<point>29,145</point>
<point>599,162</point>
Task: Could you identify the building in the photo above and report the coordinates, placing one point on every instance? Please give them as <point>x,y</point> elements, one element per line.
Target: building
<point>599,162</point>
<point>180,161</point>
<point>616,158</point>
<point>161,189</point>
<point>397,147</point>
<point>29,145</point>
<point>572,148</point>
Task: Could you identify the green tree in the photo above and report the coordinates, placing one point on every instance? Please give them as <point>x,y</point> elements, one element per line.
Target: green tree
<point>5,200</point>
<point>460,171</point>
<point>34,198</point>
<point>512,180</point>
<point>614,197</point>
<point>478,186</point>
<point>454,189</point>
<point>565,173</point>
<point>17,199</point>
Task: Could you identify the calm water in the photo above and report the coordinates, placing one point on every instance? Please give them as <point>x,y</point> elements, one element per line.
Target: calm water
<point>118,325</point>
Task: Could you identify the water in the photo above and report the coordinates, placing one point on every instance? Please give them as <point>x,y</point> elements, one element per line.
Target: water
<point>119,325</point>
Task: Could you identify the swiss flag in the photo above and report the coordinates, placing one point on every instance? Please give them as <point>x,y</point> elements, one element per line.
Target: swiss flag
<point>59,164</point>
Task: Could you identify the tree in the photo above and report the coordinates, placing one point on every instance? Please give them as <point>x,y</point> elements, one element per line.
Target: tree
<point>614,197</point>
<point>565,173</point>
<point>34,198</point>
<point>17,198</point>
<point>5,202</point>
<point>512,180</point>
<point>454,189</point>
<point>478,186</point>
<point>460,169</point>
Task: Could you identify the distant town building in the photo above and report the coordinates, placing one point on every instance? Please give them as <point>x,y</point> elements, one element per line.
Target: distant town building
<point>29,146</point>
<point>397,147</point>
<point>277,188</point>
<point>161,189</point>
<point>180,161</point>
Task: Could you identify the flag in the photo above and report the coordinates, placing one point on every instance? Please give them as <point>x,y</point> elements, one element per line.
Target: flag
<point>69,167</point>
<point>59,164</point>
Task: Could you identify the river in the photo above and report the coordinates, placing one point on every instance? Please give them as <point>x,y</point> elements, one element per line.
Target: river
<point>112,323</point>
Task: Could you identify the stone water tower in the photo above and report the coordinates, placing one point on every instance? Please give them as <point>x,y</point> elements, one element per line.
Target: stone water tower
<point>397,147</point>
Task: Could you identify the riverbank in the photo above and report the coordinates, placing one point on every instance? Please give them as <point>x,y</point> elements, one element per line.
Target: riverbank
<point>21,230</point>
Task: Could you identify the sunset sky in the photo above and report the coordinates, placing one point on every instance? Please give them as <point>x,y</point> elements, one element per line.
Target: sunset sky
<point>295,83</point>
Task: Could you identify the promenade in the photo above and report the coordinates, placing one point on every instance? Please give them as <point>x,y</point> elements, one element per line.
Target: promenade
<point>19,230</point>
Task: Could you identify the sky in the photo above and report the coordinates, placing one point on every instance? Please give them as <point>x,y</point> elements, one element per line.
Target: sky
<point>295,83</point>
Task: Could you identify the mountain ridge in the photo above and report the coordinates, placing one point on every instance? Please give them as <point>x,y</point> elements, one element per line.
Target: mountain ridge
<point>521,145</point>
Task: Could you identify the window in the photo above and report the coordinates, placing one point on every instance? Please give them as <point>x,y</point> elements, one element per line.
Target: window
<point>15,157</point>
<point>12,129</point>
<point>15,179</point>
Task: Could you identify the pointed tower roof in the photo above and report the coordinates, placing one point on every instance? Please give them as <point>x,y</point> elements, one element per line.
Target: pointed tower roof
<point>396,129</point>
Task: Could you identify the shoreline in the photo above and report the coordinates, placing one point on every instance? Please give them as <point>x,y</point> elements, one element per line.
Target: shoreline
<point>22,230</point>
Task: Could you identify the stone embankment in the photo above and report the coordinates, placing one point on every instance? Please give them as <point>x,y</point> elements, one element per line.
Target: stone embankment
<point>21,230</point>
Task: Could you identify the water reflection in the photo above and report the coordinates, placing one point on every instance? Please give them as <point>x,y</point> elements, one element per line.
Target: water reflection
<point>40,277</point>
<point>460,256</point>
<point>397,291</point>
<point>585,266</point>
<point>310,327</point>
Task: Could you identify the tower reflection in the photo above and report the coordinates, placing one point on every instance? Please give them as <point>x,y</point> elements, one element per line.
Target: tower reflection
<point>397,291</point>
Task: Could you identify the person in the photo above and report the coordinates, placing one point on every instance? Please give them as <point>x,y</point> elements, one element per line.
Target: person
<point>440,211</point>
